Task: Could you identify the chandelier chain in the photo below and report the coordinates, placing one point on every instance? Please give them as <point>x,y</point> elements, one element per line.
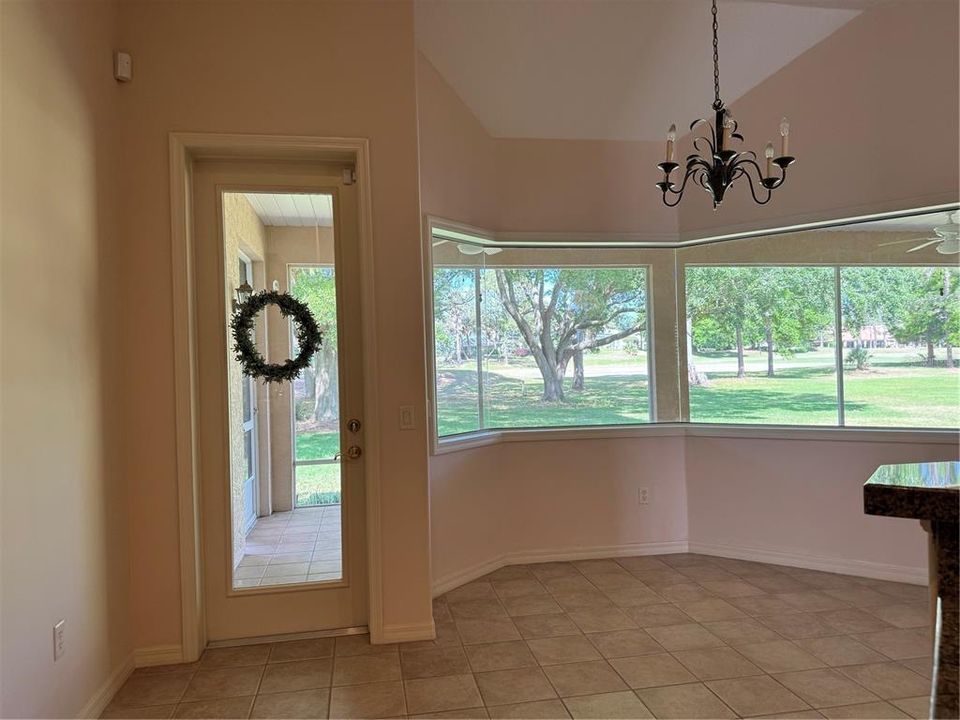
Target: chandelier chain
<point>717,104</point>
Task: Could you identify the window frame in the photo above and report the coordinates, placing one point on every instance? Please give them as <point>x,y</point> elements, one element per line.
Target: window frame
<point>435,227</point>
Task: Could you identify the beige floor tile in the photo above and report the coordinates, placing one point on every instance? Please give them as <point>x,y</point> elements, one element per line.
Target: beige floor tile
<point>531,605</point>
<point>780,656</point>
<point>652,671</point>
<point>659,578</point>
<point>359,645</point>
<point>434,663</point>
<point>684,701</point>
<point>472,609</point>
<point>155,689</point>
<point>235,707</point>
<point>685,592</point>
<point>624,705</point>
<point>595,567</point>
<point>602,619</point>
<point>228,682</point>
<point>840,650</point>
<point>586,678</point>
<point>898,644</point>
<point>888,680</point>
<point>732,588</point>
<point>508,687</point>
<point>811,601</point>
<point>624,643</point>
<point>711,609</point>
<point>864,711</point>
<point>798,625</point>
<point>904,615</point>
<point>484,630</point>
<point>716,663</point>
<point>861,597</point>
<point>543,709</point>
<point>779,583</point>
<point>921,666</point>
<point>288,558</point>
<point>542,626</point>
<point>756,696</point>
<point>287,570</point>
<point>761,605</point>
<point>567,584</point>
<point>708,572</point>
<point>500,656</point>
<point>374,700</point>
<point>582,600</point>
<point>138,713</point>
<point>822,688</point>
<point>627,597</point>
<point>353,670</point>
<point>301,704</point>
<point>852,620</point>
<point>518,588</point>
<point>564,649</point>
<point>688,636</point>
<point>642,563</point>
<point>167,669</point>
<point>510,572</point>
<point>246,572</point>
<point>620,579</point>
<point>297,675</point>
<point>655,615</point>
<point>542,571</point>
<point>741,632</point>
<point>234,656</point>
<point>438,694</point>
<point>915,707</point>
<point>465,713</point>
<point>301,649</point>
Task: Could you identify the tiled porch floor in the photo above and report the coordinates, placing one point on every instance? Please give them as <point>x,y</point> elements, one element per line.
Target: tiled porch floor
<point>672,636</point>
<point>292,547</point>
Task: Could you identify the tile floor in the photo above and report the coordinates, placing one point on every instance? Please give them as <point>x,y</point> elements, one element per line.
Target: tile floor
<point>671,636</point>
<point>292,547</point>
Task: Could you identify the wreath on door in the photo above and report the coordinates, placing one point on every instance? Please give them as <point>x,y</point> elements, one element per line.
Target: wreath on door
<point>308,335</point>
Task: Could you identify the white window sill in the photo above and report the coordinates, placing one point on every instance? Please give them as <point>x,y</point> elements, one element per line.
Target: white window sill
<point>483,438</point>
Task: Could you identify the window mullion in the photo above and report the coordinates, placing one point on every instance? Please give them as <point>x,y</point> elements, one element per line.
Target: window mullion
<point>838,343</point>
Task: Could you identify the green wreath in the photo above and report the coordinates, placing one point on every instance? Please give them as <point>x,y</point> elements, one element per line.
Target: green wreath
<point>252,362</point>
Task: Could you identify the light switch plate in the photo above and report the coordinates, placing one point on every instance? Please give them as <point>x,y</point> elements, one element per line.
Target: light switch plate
<point>59,640</point>
<point>408,420</point>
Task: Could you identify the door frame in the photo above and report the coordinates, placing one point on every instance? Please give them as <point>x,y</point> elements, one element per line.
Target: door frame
<point>185,148</point>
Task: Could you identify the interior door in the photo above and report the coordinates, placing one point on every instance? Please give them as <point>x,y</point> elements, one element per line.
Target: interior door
<point>301,565</point>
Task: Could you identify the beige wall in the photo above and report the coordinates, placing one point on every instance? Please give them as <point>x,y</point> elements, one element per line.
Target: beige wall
<point>242,232</point>
<point>315,68</point>
<point>63,540</point>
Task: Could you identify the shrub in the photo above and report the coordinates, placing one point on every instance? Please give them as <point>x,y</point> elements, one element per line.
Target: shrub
<point>859,358</point>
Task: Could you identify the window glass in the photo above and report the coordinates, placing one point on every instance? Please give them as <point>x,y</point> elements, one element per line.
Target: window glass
<point>455,330</point>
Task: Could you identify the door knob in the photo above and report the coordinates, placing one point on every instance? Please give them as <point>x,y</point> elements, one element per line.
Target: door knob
<point>353,425</point>
<point>353,452</point>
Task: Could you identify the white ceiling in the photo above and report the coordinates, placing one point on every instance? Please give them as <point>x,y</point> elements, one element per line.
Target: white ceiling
<point>612,69</point>
<point>292,209</point>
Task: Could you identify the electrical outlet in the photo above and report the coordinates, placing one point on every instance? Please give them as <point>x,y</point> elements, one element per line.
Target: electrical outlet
<point>59,640</point>
<point>407,417</point>
<point>643,496</point>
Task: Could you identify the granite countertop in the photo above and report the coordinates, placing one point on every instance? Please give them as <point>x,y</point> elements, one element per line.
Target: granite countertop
<point>924,491</point>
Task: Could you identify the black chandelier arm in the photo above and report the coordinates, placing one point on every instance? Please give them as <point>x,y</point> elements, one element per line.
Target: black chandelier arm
<point>667,187</point>
<point>741,172</point>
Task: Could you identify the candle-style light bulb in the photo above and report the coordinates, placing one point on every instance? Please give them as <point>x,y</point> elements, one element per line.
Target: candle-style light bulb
<point>728,125</point>
<point>671,140</point>
<point>784,134</point>
<point>768,153</point>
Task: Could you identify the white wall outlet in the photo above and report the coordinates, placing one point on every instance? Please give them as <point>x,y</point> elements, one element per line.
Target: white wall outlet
<point>59,639</point>
<point>408,418</point>
<point>643,496</point>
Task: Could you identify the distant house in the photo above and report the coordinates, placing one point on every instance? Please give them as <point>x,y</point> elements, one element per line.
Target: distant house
<point>871,336</point>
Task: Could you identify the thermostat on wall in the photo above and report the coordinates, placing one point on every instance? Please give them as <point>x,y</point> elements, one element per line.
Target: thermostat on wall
<point>122,66</point>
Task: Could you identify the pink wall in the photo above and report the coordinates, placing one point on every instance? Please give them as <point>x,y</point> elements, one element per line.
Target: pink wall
<point>802,498</point>
<point>301,68</point>
<point>540,499</point>
<point>874,116</point>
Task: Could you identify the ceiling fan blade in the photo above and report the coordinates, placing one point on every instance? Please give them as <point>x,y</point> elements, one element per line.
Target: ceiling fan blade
<point>492,250</point>
<point>901,242</point>
<point>921,247</point>
<point>438,242</point>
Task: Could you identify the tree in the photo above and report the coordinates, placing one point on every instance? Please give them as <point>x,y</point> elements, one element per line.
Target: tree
<point>454,311</point>
<point>562,312</point>
<point>721,303</point>
<point>930,311</point>
<point>316,286</point>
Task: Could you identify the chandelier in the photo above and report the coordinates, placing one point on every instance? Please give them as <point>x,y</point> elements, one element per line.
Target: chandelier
<point>718,170</point>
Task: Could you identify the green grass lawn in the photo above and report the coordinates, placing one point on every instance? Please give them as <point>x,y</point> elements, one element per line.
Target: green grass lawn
<point>318,484</point>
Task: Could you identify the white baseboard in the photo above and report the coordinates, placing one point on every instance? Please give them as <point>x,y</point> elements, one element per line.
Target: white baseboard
<point>408,633</point>
<point>96,705</point>
<point>860,568</point>
<point>461,577</point>
<point>158,655</point>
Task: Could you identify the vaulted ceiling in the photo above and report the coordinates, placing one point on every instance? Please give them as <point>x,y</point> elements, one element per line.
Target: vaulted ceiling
<point>612,69</point>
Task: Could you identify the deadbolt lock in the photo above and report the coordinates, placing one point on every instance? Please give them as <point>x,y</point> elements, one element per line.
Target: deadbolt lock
<point>353,425</point>
<point>353,452</point>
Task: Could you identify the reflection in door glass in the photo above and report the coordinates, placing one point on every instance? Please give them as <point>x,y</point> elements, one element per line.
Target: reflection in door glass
<point>285,489</point>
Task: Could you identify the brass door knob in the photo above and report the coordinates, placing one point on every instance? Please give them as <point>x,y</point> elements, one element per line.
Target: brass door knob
<point>353,425</point>
<point>353,452</point>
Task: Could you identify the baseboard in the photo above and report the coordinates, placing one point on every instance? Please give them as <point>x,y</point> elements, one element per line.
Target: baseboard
<point>96,705</point>
<point>461,577</point>
<point>860,568</point>
<point>409,633</point>
<point>158,655</point>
